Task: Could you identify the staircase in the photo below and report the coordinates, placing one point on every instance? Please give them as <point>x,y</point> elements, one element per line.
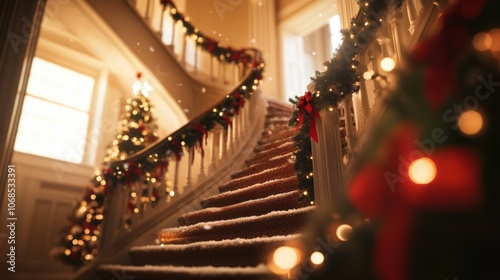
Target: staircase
<point>237,229</point>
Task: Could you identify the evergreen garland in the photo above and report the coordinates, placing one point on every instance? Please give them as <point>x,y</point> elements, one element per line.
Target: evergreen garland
<point>339,80</point>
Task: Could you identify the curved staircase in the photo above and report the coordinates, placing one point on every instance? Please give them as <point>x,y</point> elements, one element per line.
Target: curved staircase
<point>233,234</point>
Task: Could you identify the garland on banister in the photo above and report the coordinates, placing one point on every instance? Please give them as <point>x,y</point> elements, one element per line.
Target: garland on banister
<point>191,137</point>
<point>212,46</point>
<point>339,80</point>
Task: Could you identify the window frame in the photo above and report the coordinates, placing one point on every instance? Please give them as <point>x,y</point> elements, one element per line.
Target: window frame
<point>59,50</point>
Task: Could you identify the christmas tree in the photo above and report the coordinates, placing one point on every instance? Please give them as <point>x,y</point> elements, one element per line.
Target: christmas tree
<point>423,202</point>
<point>137,130</point>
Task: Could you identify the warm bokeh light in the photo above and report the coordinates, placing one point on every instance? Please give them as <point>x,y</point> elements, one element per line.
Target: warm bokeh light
<point>368,75</point>
<point>317,258</point>
<point>344,232</point>
<point>387,64</point>
<point>422,171</point>
<point>495,40</point>
<point>285,257</point>
<point>470,122</point>
<point>482,41</point>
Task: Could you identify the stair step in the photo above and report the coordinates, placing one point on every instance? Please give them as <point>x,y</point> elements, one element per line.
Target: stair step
<point>260,206</point>
<point>151,272</point>
<point>271,224</point>
<point>273,144</point>
<point>261,166</point>
<point>231,252</point>
<point>288,133</point>
<point>256,191</point>
<point>285,148</point>
<point>285,170</point>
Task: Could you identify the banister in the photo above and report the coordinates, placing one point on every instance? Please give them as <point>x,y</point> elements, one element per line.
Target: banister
<point>247,83</point>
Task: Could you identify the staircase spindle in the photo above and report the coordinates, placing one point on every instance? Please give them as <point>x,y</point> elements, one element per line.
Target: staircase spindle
<point>224,143</point>
<point>184,46</point>
<point>212,67</point>
<point>189,167</point>
<point>202,174</point>
<point>174,23</point>
<point>215,142</point>
<point>176,177</point>
<point>163,183</point>
<point>196,49</point>
<point>412,16</point>
<point>149,204</point>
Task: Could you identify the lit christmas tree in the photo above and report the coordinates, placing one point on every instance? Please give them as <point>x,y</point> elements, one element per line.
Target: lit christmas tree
<point>137,130</point>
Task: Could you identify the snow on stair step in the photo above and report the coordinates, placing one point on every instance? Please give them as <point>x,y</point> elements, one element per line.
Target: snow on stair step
<point>284,148</point>
<point>261,166</point>
<point>271,224</point>
<point>277,136</point>
<point>282,171</point>
<point>280,185</point>
<point>228,252</point>
<point>151,272</point>
<point>260,206</point>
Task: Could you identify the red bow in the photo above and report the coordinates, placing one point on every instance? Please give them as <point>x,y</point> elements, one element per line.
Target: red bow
<point>304,105</point>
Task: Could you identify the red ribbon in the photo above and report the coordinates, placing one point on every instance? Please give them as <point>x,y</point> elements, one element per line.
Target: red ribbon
<point>305,105</point>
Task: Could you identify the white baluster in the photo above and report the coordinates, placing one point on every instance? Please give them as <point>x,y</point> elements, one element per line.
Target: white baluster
<point>202,175</point>
<point>163,183</point>
<point>184,46</point>
<point>196,49</point>
<point>211,67</point>
<point>176,177</point>
<point>215,142</point>
<point>224,143</point>
<point>190,157</point>
<point>412,16</point>
<point>150,187</point>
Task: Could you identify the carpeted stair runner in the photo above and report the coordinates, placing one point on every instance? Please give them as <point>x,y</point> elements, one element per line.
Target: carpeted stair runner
<point>233,234</point>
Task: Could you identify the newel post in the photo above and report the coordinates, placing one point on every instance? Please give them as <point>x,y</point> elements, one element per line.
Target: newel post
<point>328,166</point>
<point>115,207</point>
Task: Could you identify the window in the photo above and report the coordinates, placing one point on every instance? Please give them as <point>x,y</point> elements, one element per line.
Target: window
<point>336,36</point>
<point>55,116</point>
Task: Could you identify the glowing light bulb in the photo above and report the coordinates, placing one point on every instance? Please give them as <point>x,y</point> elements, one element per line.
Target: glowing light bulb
<point>387,64</point>
<point>317,258</point>
<point>482,41</point>
<point>368,75</point>
<point>344,232</point>
<point>470,122</point>
<point>285,258</point>
<point>422,171</point>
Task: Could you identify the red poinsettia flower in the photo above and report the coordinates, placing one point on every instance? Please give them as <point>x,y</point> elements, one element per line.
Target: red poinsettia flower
<point>391,191</point>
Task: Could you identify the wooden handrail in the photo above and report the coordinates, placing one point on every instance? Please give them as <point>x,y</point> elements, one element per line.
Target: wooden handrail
<point>248,81</point>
